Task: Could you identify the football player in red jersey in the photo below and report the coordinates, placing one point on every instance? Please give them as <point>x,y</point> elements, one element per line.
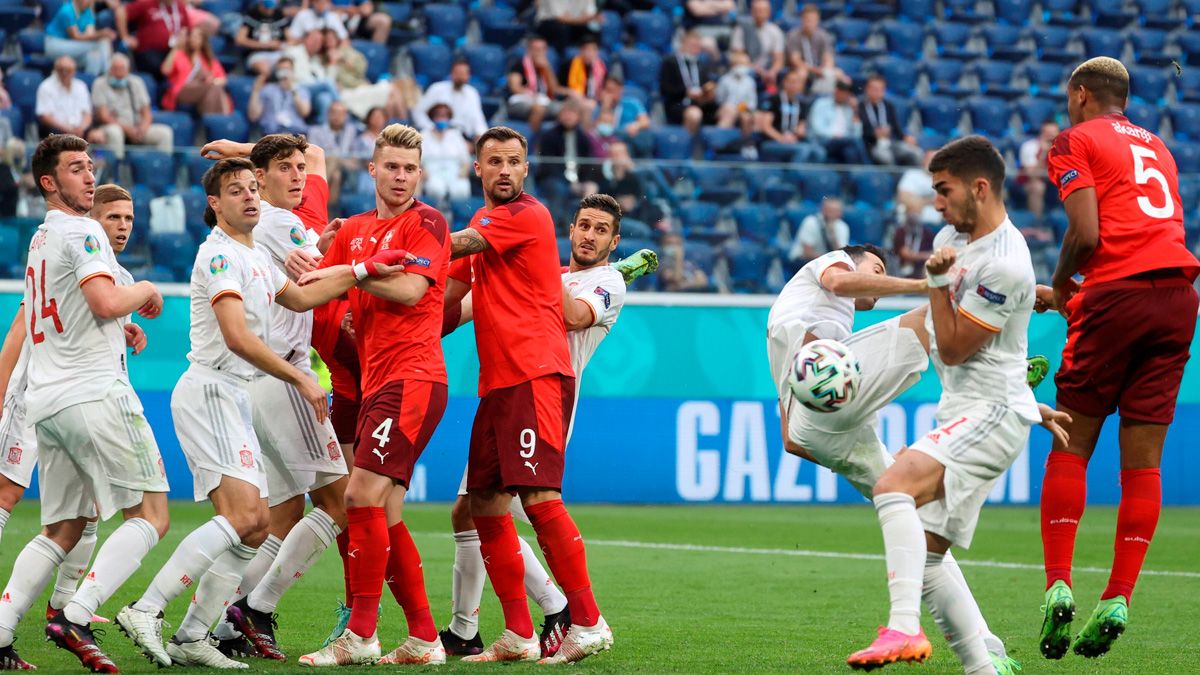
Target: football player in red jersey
<point>1129,327</point>
<point>527,393</point>
<point>398,329</point>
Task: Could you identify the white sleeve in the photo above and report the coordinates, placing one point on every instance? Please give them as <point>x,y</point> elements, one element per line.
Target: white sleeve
<point>829,260</point>
<point>606,296</point>
<point>1029,153</point>
<point>88,252</point>
<point>999,290</point>
<point>45,102</point>
<point>220,273</point>
<point>279,280</point>
<point>282,235</point>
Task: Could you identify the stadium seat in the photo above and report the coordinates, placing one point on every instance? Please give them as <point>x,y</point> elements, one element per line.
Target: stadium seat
<point>989,116</point>
<point>698,218</point>
<point>650,30</point>
<point>151,88</point>
<point>1187,160</point>
<point>142,197</point>
<point>717,141</point>
<point>769,186</point>
<point>1014,12</point>
<point>1053,44</point>
<point>996,77</point>
<point>11,249</point>
<point>904,40</point>
<point>1149,84</point>
<point>32,41</point>
<point>1033,111</point>
<point>715,184</point>
<point>1112,13</point>
<point>903,109</point>
<point>917,11</point>
<point>176,250</point>
<point>352,203</point>
<point>748,263</point>
<point>1189,47</point>
<point>966,11</point>
<point>1102,42</point>
<point>1156,14</point>
<point>194,203</point>
<point>1150,47</point>
<point>816,185</point>
<point>793,216</point>
<point>757,222</point>
<point>871,11</point>
<point>233,126</point>
<point>239,88</point>
<point>1189,187</point>
<point>672,142</point>
<point>498,25</point>
<point>487,63</point>
<point>945,77</point>
<point>899,73</point>
<point>610,29</point>
<point>873,188</point>
<point>431,62</point>
<point>641,67</point>
<point>1003,42</point>
<point>15,19</point>
<point>866,224</point>
<point>564,251</point>
<point>635,229</point>
<point>16,120</point>
<point>635,92</point>
<point>154,169</point>
<point>952,40</point>
<point>1146,115</point>
<point>939,114</point>
<point>1046,79</point>
<point>1022,219</point>
<point>853,66</point>
<point>377,58</point>
<point>462,210</point>
<point>703,256</point>
<point>1061,12</point>
<point>445,23</point>
<point>1185,122</point>
<point>195,166</point>
<point>22,85</point>
<point>1187,87</point>
<point>852,35</point>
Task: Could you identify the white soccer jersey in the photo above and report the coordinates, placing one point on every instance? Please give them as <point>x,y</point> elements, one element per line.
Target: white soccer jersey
<point>278,232</point>
<point>223,267</point>
<point>75,357</point>
<point>603,288</point>
<point>992,285</point>
<point>804,301</point>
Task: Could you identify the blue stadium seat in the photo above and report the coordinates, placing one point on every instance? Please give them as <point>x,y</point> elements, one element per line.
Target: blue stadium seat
<point>1003,42</point>
<point>698,218</point>
<point>1187,87</point>
<point>853,65</point>
<point>939,114</point>
<point>641,67</point>
<point>966,11</point>
<point>32,41</point>
<point>872,188</point>
<point>1150,47</point>
<point>1185,122</point>
<point>195,166</point>
<point>1156,14</point>
<point>703,256</point>
<point>239,88</point>
<point>233,126</point>
<point>154,169</point>
<point>1189,188</point>
<point>866,224</point>
<point>672,142</point>
<point>903,109</point>
<point>1014,12</point>
<point>852,35</point>
<point>377,58</point>
<point>194,203</point>
<point>636,92</point>
<point>1102,42</point>
<point>952,40</point>
<point>142,196</point>
<point>176,250</point>
<point>22,85</point>
<point>1046,79</point>
<point>716,141</point>
<point>1146,115</point>
<point>793,216</point>
<point>899,73</point>
<point>151,88</point>
<point>498,25</point>
<point>757,222</point>
<point>1189,45</point>
<point>1053,43</point>
<point>989,116</point>
<point>610,29</point>
<point>16,120</point>
<point>996,77</point>
<point>1033,111</point>
<point>748,263</point>
<point>462,210</point>
<point>769,186</point>
<point>1022,218</point>
<point>1061,12</point>
<point>1112,13</point>
<point>904,40</point>
<point>15,19</point>
<point>945,77</point>
<point>1149,84</point>
<point>11,248</point>
<point>715,184</point>
<point>931,140</point>
<point>487,63</point>
<point>635,229</point>
<point>650,30</point>
<point>431,62</point>
<point>352,203</point>
<point>445,23</point>
<point>816,185</point>
<point>917,11</point>
<point>564,251</point>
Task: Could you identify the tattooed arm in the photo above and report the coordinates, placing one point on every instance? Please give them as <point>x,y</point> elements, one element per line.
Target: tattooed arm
<point>466,242</point>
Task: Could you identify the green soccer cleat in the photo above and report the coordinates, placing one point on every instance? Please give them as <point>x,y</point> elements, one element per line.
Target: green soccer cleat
<point>1037,370</point>
<point>1103,629</point>
<point>1056,627</point>
<point>343,618</point>
<point>1005,665</point>
<point>637,265</point>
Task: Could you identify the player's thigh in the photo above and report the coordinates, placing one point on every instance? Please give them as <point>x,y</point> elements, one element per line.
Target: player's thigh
<point>784,339</point>
<point>891,359</point>
<point>66,487</point>
<point>214,423</point>
<point>395,425</point>
<point>1100,342</point>
<point>18,445</point>
<point>531,432</point>
<point>483,458</point>
<point>1155,369</point>
<point>289,432</point>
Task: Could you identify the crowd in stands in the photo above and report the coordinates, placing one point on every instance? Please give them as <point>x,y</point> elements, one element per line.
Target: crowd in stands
<point>707,119</point>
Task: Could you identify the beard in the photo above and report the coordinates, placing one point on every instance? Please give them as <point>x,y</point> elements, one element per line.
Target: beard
<point>584,261</point>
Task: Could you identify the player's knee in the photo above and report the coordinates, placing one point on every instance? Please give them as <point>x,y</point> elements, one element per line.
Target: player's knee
<point>10,494</point>
<point>460,515</point>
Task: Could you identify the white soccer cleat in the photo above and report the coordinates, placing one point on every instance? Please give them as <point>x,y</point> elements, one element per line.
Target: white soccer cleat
<point>581,642</point>
<point>347,650</point>
<point>145,629</point>
<point>201,653</point>
<point>509,647</point>
<point>416,652</point>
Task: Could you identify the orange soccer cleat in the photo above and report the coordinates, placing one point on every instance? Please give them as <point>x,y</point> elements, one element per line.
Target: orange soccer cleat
<point>892,646</point>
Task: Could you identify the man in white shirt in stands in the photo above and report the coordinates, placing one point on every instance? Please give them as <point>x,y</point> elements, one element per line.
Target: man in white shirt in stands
<point>463,99</point>
<point>64,105</point>
<point>820,233</point>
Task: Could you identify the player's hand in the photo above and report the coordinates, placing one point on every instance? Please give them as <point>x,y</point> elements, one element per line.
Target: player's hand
<point>316,397</point>
<point>135,337</point>
<point>300,262</point>
<point>153,306</point>
<point>348,324</point>
<point>1043,299</point>
<point>1053,420</point>
<point>331,230</point>
<point>222,149</point>
<point>319,274</point>
<point>1063,292</point>
<point>941,261</point>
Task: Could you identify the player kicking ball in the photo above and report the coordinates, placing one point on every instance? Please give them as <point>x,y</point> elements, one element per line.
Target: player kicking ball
<point>232,288</point>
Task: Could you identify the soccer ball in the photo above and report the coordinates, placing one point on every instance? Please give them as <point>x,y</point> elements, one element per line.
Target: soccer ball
<point>824,375</point>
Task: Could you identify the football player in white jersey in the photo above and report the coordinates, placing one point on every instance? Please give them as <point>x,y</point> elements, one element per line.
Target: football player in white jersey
<point>233,286</point>
<point>981,294</point>
<point>593,294</point>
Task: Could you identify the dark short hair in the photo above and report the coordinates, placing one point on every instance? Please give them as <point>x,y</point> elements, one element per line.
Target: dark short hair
<point>276,147</point>
<point>857,251</point>
<point>613,77</point>
<point>215,176</point>
<point>461,61</point>
<point>45,157</point>
<point>969,158</point>
<point>500,135</point>
<point>877,77</point>
<point>605,203</point>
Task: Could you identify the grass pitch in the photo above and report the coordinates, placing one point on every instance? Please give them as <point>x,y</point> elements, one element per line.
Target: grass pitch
<point>717,589</point>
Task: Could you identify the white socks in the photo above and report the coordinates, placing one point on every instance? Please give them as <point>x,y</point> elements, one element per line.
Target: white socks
<point>301,548</point>
<point>538,584</point>
<point>73,568</point>
<point>467,587</point>
<point>956,615</point>
<point>118,559</point>
<point>196,553</point>
<point>30,573</point>
<point>904,543</point>
<point>254,573</point>
<point>217,584</point>
<point>4,514</point>
<point>994,644</point>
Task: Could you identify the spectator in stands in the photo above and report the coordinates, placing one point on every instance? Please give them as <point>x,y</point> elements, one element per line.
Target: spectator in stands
<point>564,23</point>
<point>317,16</point>
<point>762,41</point>
<point>160,25</point>
<point>194,75</point>
<point>263,34</point>
<point>363,21</point>
<point>783,122</point>
<point>885,139</point>
<point>13,178</point>
<point>348,68</point>
<point>277,103</point>
<point>310,69</point>
<point>810,50</point>
<point>689,91</point>
<point>72,32</point>
<point>820,233</point>
<point>737,99</point>
<point>202,19</point>
<point>1033,176</point>
<point>912,244</point>
<point>532,84</point>
<point>444,157</point>
<point>619,179</point>
<point>123,112</point>
<point>573,175</point>
<point>5,98</point>
<point>622,118</point>
<point>466,109</point>
<point>63,103</point>
<point>833,122</point>
<point>915,194</point>
<point>584,74</point>
<point>679,274</point>
<point>336,136</point>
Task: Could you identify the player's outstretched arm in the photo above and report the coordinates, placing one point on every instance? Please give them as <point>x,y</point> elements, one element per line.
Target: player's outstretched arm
<point>849,284</point>
<point>225,149</point>
<point>1079,242</point>
<point>404,288</point>
<point>333,282</point>
<point>958,335</point>
<point>231,318</point>
<point>466,242</point>
<point>577,314</point>
<point>110,301</point>
<point>11,351</point>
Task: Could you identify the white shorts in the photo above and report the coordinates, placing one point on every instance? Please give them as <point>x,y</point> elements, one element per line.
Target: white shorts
<point>97,454</point>
<point>783,341</point>
<point>846,441</point>
<point>18,443</point>
<point>213,421</point>
<point>976,444</point>
<point>299,454</point>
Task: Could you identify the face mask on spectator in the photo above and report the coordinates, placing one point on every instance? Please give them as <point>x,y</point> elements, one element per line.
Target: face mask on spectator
<point>270,4</point>
<point>118,82</point>
<point>283,74</point>
<point>605,129</point>
<point>441,125</point>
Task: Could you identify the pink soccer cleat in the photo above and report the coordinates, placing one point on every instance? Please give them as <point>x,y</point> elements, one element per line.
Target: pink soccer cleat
<point>892,646</point>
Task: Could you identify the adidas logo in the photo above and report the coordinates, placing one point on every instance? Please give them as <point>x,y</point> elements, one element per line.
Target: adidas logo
<point>91,576</point>
<point>185,580</point>
<point>297,575</point>
<point>8,598</point>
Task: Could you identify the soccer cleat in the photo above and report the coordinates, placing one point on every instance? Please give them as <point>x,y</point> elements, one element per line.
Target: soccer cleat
<point>554,631</point>
<point>1036,370</point>
<point>258,627</point>
<point>639,264</point>
<point>456,646</point>
<point>892,646</point>
<point>201,653</point>
<point>237,647</point>
<point>581,642</point>
<point>509,647</point>
<point>416,652</point>
<point>11,660</point>
<point>347,650</point>
<point>1106,625</point>
<point>145,629</point>
<point>1056,627</point>
<point>343,615</point>
<point>50,612</point>
<point>1005,665</point>
<point>80,641</point>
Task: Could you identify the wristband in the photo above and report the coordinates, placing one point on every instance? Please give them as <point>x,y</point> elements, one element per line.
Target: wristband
<point>390,257</point>
<point>360,271</point>
<point>937,280</point>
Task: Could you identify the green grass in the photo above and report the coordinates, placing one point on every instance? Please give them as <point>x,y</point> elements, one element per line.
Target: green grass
<point>722,611</point>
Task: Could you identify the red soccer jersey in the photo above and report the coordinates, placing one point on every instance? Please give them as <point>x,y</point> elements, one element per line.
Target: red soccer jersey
<point>1137,194</point>
<point>519,329</point>
<point>397,342</point>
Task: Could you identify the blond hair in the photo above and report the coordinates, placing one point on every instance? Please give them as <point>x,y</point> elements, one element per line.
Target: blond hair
<point>111,193</point>
<point>1103,76</point>
<point>399,136</point>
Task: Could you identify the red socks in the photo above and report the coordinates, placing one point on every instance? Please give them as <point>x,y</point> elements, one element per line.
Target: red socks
<point>407,581</point>
<point>502,557</point>
<point>563,546</point>
<point>368,562</point>
<point>343,544</point>
<point>1137,518</point>
<point>1064,494</point>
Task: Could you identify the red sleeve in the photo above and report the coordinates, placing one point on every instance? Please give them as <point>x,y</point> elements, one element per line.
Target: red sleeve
<point>187,19</point>
<point>427,241</point>
<point>505,230</point>
<point>460,270</point>
<point>218,70</point>
<point>339,250</point>
<point>135,10</point>
<point>313,210</point>
<point>1069,163</point>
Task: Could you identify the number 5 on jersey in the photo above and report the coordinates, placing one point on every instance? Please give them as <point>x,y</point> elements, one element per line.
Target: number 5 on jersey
<point>1143,175</point>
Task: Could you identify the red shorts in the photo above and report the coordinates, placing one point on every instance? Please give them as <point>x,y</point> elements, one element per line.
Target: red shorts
<point>396,424</point>
<point>346,375</point>
<point>1127,343</point>
<point>520,434</point>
